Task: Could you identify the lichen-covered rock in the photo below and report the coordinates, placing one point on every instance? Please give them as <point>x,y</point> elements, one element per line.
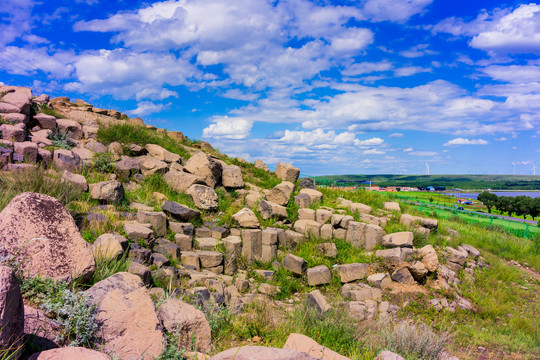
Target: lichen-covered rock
<point>204,197</point>
<point>232,177</point>
<point>259,164</point>
<point>160,153</point>
<point>309,346</point>
<point>246,218</point>
<point>40,230</point>
<point>281,193</point>
<point>66,160</point>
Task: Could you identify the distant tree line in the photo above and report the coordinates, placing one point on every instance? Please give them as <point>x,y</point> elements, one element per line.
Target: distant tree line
<point>519,205</point>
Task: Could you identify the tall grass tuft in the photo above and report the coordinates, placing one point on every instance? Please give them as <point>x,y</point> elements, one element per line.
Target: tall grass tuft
<point>34,180</point>
<point>108,267</point>
<point>414,340</point>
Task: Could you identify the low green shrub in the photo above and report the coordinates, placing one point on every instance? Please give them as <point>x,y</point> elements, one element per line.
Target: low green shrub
<point>76,315</point>
<point>70,308</point>
<point>103,162</point>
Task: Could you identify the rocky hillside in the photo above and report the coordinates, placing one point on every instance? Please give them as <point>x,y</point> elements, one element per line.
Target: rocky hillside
<point>119,240</point>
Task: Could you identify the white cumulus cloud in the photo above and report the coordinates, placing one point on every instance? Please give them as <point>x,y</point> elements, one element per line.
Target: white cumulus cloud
<point>462,141</point>
<point>228,128</point>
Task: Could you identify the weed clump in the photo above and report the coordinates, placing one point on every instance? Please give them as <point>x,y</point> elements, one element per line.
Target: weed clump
<point>61,139</point>
<point>103,162</point>
<point>414,340</point>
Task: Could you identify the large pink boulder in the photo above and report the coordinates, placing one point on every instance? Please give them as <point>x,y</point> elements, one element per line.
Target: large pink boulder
<point>262,353</point>
<point>21,98</point>
<point>37,231</point>
<point>128,323</point>
<point>11,311</point>
<point>69,353</point>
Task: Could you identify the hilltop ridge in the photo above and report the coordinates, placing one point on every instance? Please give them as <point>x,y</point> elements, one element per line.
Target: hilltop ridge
<point>133,242</point>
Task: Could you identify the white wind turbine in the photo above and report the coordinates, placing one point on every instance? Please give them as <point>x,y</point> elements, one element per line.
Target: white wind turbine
<point>533,169</point>
<point>514,165</point>
<point>427,169</point>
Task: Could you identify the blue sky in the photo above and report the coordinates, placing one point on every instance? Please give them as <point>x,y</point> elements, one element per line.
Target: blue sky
<point>334,87</point>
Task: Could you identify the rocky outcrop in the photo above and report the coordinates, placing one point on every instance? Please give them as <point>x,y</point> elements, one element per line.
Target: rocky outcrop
<point>128,324</point>
<point>37,230</point>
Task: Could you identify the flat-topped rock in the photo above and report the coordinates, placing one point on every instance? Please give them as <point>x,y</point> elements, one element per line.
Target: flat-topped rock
<point>287,172</point>
<point>399,239</point>
<point>161,154</point>
<point>179,211</point>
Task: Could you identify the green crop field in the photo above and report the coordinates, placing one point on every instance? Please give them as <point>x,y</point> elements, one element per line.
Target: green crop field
<point>502,182</point>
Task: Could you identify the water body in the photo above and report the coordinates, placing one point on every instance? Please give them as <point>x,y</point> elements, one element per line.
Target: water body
<point>533,194</point>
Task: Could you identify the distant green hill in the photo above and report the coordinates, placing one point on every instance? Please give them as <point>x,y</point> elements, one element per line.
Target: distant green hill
<point>503,182</point>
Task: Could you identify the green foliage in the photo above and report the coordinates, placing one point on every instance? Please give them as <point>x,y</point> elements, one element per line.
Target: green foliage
<point>536,243</point>
<point>414,340</point>
<point>287,282</point>
<point>76,314</point>
<point>61,139</point>
<point>219,319</point>
<point>156,183</point>
<point>107,267</point>
<point>103,162</point>
<point>35,180</point>
<point>47,110</point>
<point>71,309</point>
<point>488,199</point>
<point>140,135</point>
<point>334,329</point>
<point>292,210</point>
<point>173,350</point>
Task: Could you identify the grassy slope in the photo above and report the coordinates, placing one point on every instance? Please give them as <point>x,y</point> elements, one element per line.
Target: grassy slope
<point>509,182</point>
